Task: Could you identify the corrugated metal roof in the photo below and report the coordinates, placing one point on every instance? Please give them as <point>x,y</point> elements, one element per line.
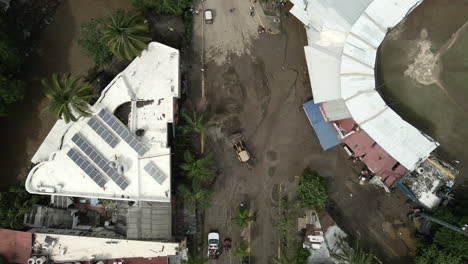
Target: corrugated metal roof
<point>324,130</point>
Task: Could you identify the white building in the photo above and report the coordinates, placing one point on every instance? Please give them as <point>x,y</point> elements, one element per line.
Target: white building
<point>67,249</point>
<point>99,156</point>
<point>343,38</point>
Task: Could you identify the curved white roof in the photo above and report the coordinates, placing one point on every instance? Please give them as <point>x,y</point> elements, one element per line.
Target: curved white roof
<point>343,37</point>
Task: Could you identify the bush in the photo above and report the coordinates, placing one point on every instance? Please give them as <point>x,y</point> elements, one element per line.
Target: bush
<point>312,190</point>
<point>166,7</point>
<point>14,204</point>
<point>91,32</point>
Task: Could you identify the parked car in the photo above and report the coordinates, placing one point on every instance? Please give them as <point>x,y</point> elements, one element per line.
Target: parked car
<point>208,16</point>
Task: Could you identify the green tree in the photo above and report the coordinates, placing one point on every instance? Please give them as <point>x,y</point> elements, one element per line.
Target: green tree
<point>195,260</point>
<point>196,168</point>
<point>353,255</point>
<point>90,41</point>
<point>197,123</point>
<point>125,34</point>
<point>243,217</point>
<point>14,204</point>
<point>300,258</point>
<point>433,255</point>
<point>241,250</point>
<point>168,7</point>
<point>195,194</point>
<point>69,97</point>
<point>287,224</point>
<point>11,91</point>
<point>312,190</point>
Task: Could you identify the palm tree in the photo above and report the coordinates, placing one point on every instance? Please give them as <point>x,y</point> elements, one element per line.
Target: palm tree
<point>196,168</point>
<point>125,34</point>
<point>241,250</point>
<point>353,255</point>
<point>243,217</point>
<point>69,96</point>
<point>195,194</point>
<point>198,123</point>
<point>195,260</point>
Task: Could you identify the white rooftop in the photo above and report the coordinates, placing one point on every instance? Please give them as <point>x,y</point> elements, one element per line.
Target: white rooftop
<point>343,38</point>
<point>78,248</point>
<point>149,86</point>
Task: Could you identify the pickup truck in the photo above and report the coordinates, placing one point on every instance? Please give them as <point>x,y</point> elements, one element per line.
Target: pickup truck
<point>213,245</point>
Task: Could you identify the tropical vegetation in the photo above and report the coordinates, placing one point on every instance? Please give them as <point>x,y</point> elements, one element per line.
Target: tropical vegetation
<point>197,123</point>
<point>241,249</point>
<point>312,190</point>
<point>196,168</point>
<point>444,245</point>
<point>125,34</point>
<point>196,196</point>
<point>90,41</point>
<point>12,59</point>
<point>195,260</point>
<point>14,204</point>
<point>69,96</point>
<point>168,7</point>
<point>300,258</point>
<point>243,216</point>
<point>353,255</point>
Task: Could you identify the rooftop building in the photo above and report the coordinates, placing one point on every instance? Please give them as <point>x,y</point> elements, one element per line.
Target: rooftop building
<point>65,248</point>
<point>15,246</point>
<point>121,152</point>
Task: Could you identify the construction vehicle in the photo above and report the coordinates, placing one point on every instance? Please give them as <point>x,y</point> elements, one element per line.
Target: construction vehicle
<point>242,154</point>
<point>213,245</point>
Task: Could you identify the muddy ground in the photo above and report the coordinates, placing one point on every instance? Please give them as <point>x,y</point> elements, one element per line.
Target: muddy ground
<point>256,85</point>
<point>423,75</point>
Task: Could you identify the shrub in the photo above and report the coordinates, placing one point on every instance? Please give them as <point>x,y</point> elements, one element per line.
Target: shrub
<point>167,7</point>
<point>91,32</point>
<point>312,190</point>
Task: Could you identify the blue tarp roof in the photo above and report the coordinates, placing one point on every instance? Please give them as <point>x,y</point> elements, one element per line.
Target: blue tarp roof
<point>324,130</point>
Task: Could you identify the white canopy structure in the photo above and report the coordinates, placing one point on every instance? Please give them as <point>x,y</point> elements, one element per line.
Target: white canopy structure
<point>343,38</point>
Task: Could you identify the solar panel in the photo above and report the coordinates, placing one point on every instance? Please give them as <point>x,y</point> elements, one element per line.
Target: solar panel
<point>155,172</point>
<point>121,130</point>
<point>86,167</point>
<point>103,132</point>
<point>100,161</point>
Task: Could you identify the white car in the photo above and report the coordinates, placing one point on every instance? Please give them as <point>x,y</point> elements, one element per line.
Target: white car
<point>213,245</point>
<point>209,16</point>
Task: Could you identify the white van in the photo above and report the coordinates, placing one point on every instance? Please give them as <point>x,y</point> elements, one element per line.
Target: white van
<point>208,16</point>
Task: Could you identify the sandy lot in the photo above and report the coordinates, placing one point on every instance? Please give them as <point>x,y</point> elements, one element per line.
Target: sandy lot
<point>256,85</point>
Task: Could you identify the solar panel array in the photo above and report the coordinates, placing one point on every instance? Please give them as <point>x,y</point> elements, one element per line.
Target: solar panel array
<point>100,161</point>
<point>121,130</point>
<point>155,172</point>
<point>103,132</point>
<point>87,168</point>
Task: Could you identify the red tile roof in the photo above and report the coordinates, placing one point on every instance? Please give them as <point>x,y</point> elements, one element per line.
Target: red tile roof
<point>15,246</point>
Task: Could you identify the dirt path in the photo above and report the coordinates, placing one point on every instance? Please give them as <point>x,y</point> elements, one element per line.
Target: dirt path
<point>26,127</point>
<point>258,89</point>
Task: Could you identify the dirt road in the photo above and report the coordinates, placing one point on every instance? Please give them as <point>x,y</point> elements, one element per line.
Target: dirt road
<point>256,84</point>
